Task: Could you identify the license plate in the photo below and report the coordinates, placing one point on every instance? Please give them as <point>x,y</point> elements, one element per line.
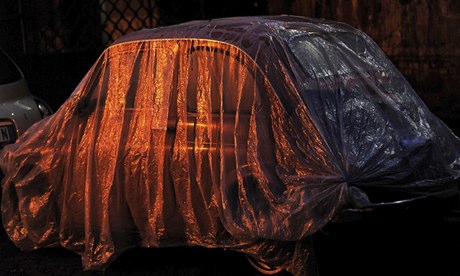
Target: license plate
<point>7,134</point>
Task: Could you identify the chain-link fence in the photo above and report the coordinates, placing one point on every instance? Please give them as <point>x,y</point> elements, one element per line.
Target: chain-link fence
<point>121,17</point>
<point>62,26</point>
<point>58,26</point>
<point>55,42</point>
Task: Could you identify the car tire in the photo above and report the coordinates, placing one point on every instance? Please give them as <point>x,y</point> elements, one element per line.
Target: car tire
<point>262,266</point>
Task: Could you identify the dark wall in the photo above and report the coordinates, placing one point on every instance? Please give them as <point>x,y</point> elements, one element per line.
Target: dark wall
<point>54,77</point>
<point>24,27</point>
<point>10,26</point>
<point>184,10</point>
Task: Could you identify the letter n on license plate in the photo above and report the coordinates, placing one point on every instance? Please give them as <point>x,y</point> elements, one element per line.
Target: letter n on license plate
<point>5,134</point>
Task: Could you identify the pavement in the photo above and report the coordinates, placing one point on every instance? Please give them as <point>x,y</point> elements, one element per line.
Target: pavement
<point>395,241</point>
<point>140,261</point>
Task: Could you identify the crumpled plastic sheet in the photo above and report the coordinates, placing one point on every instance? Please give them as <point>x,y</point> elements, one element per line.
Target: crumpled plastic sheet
<point>240,133</point>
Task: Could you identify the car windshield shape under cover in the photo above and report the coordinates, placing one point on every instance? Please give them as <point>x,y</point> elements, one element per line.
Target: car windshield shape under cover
<point>242,133</point>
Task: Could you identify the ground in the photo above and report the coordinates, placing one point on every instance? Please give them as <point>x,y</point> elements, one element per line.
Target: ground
<point>398,241</point>
<point>140,261</point>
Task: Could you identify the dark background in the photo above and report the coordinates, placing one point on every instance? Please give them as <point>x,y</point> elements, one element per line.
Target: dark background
<point>55,42</point>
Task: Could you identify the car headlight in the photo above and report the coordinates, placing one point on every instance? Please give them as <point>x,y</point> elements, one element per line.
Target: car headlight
<point>44,109</point>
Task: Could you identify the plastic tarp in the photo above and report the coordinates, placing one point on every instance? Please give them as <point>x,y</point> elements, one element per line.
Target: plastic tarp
<point>242,133</point>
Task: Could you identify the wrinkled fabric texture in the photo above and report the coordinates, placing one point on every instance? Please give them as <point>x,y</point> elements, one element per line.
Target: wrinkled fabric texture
<point>240,133</point>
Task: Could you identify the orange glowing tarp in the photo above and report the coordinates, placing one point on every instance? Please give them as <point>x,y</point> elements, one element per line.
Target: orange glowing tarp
<point>243,133</point>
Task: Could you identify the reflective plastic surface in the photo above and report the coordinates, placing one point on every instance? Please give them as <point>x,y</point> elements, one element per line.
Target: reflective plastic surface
<point>241,133</point>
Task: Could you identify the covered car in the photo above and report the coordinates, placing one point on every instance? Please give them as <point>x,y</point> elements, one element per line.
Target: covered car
<point>247,133</point>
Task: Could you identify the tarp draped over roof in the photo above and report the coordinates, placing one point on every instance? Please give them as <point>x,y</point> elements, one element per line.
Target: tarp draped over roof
<point>237,133</point>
